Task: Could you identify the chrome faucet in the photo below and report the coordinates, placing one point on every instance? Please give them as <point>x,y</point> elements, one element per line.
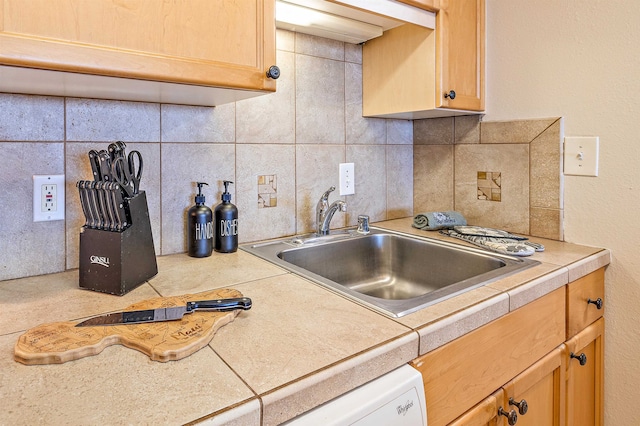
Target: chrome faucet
<point>325,212</point>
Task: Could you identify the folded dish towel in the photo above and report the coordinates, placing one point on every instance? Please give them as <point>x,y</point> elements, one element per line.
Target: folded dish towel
<point>431,221</point>
<point>495,240</point>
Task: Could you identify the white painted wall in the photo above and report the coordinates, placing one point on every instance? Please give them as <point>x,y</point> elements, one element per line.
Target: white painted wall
<point>580,59</point>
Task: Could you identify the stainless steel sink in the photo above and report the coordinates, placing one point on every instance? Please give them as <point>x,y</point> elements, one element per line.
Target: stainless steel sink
<point>393,273</point>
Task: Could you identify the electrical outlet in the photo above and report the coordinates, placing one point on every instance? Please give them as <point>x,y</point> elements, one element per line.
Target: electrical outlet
<point>347,179</point>
<point>48,197</point>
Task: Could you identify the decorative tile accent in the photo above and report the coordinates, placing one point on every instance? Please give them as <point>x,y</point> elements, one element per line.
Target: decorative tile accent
<point>512,162</point>
<point>267,191</point>
<point>489,186</point>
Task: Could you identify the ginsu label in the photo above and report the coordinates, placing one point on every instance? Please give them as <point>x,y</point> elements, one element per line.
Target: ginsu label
<point>100,260</point>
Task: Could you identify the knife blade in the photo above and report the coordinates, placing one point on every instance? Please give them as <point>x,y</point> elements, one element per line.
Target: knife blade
<point>167,314</point>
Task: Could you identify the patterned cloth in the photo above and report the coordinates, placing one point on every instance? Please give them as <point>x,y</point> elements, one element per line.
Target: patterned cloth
<point>494,240</point>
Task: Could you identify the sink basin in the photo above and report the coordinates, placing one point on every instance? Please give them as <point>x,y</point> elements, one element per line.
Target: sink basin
<point>393,273</point>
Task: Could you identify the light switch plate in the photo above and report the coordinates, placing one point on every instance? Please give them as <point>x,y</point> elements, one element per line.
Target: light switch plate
<point>581,155</point>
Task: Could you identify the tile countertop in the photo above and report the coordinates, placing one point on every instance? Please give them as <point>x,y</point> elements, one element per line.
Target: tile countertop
<point>299,346</point>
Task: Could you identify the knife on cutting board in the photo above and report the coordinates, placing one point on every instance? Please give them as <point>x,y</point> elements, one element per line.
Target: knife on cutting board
<point>167,314</point>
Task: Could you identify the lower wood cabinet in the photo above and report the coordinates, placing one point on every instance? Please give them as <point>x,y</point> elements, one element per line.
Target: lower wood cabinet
<point>519,369</point>
<point>585,376</point>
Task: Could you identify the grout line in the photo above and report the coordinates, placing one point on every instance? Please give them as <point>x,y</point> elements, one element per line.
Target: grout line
<point>161,243</point>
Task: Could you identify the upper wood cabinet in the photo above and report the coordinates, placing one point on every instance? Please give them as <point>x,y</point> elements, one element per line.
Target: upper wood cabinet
<point>169,51</point>
<point>413,72</point>
<point>432,5</point>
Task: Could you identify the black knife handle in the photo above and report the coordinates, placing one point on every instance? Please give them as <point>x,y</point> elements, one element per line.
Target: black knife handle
<point>221,305</point>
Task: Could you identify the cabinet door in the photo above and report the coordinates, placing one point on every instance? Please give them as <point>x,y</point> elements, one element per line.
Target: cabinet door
<point>538,393</point>
<point>585,376</point>
<point>463,372</point>
<point>483,414</point>
<point>220,43</point>
<point>460,50</point>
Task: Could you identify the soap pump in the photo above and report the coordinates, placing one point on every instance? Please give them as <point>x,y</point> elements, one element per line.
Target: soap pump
<point>200,227</point>
<point>226,220</point>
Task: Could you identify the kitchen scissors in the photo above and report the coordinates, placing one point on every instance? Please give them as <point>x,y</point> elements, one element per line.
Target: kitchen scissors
<point>128,172</point>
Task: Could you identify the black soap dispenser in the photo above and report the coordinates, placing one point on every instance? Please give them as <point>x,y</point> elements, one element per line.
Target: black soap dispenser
<point>226,220</point>
<point>200,227</point>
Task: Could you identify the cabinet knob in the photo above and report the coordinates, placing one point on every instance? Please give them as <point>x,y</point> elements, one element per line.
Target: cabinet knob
<point>512,416</point>
<point>273,72</point>
<point>523,407</point>
<point>582,358</point>
<point>597,302</point>
<point>451,95</point>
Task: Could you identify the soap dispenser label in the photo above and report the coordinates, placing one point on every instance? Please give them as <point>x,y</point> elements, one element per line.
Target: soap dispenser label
<point>203,231</point>
<point>229,228</point>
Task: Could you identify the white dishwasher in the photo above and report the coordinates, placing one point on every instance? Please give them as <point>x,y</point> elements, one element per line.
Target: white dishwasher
<point>397,398</point>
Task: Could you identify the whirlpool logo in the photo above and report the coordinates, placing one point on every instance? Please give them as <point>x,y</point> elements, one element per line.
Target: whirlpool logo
<point>404,408</point>
<point>99,260</point>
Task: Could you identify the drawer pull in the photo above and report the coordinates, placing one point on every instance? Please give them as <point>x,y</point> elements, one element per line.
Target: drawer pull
<point>597,302</point>
<point>582,358</point>
<point>512,416</point>
<point>523,407</point>
<point>273,72</point>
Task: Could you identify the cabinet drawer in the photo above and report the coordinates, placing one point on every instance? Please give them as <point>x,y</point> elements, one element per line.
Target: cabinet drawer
<point>581,313</point>
<point>462,373</point>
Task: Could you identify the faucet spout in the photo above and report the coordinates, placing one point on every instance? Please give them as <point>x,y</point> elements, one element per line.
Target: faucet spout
<point>325,212</point>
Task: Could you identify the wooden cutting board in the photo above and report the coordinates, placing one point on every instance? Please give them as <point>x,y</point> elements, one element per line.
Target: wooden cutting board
<point>59,342</point>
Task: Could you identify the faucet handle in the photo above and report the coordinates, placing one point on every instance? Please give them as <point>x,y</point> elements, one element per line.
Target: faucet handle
<point>363,224</point>
<point>325,196</point>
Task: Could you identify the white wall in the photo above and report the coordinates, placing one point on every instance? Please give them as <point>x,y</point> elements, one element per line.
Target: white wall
<point>581,60</point>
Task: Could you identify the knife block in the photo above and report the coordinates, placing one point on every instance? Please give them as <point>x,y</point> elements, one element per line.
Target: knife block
<point>117,262</point>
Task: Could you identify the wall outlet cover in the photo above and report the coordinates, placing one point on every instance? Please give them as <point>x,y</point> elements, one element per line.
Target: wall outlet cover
<point>48,197</point>
<point>347,179</point>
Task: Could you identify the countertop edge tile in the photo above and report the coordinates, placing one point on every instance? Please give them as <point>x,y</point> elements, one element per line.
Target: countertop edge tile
<point>450,328</point>
<point>589,264</point>
<point>246,414</point>
<point>526,293</point>
<point>297,397</point>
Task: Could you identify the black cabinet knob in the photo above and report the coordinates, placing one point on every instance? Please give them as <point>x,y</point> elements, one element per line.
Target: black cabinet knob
<point>597,302</point>
<point>512,416</point>
<point>582,358</point>
<point>523,407</point>
<point>273,72</point>
<point>451,95</point>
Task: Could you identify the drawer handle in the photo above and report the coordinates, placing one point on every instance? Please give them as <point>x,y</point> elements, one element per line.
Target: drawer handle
<point>597,302</point>
<point>451,95</point>
<point>523,407</point>
<point>582,358</point>
<point>512,416</point>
